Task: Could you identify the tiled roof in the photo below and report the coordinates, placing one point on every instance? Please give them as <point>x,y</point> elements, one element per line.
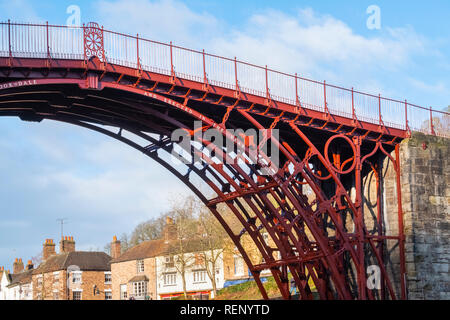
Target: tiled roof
<point>146,249</point>
<point>20,278</point>
<point>155,248</point>
<point>85,260</point>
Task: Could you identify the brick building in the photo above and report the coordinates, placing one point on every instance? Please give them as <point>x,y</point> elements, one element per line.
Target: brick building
<point>134,271</point>
<point>71,274</point>
<point>147,271</point>
<point>235,268</point>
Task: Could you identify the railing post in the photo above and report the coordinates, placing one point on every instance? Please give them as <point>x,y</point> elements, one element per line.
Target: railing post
<point>84,43</point>
<point>297,99</point>
<point>205,80</point>
<point>172,72</point>
<point>48,43</point>
<point>137,53</point>
<point>325,97</point>
<point>353,105</point>
<point>267,86</point>
<point>379,109</point>
<point>406,116</point>
<point>9,39</point>
<point>103,46</point>
<point>237,90</point>
<point>431,122</point>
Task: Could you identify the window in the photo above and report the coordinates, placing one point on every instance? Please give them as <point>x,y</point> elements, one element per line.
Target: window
<point>199,276</point>
<point>140,266</point>
<point>26,291</point>
<point>123,292</point>
<point>76,295</point>
<point>169,262</point>
<point>39,280</point>
<point>140,288</point>
<point>108,277</point>
<point>200,296</point>
<point>55,277</point>
<point>238,266</point>
<point>265,236</point>
<point>76,277</point>
<point>170,279</point>
<point>108,295</point>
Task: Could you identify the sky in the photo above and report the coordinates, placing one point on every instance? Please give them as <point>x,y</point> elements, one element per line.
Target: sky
<point>103,188</point>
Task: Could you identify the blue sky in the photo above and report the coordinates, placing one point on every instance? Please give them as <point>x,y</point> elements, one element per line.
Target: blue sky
<point>51,170</point>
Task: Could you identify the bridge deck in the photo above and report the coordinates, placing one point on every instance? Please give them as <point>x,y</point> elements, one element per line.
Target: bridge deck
<point>31,47</point>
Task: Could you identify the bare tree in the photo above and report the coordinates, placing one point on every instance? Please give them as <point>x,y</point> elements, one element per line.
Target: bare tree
<point>441,123</point>
<point>212,239</point>
<point>148,230</point>
<point>183,214</point>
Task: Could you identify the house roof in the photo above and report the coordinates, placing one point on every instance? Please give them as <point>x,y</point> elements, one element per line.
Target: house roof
<point>85,260</point>
<point>7,275</point>
<point>20,278</point>
<point>146,249</point>
<point>155,248</point>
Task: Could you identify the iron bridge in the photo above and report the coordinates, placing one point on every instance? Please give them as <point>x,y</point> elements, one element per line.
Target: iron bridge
<point>329,140</point>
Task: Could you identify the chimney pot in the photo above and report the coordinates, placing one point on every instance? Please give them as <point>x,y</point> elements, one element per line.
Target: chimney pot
<point>17,266</point>
<point>67,245</point>
<point>48,249</point>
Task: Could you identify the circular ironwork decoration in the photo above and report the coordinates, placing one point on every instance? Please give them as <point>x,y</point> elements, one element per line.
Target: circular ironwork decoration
<point>351,159</point>
<point>93,41</point>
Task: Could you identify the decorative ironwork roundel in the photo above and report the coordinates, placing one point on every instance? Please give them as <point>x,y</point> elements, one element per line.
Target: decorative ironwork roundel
<point>93,41</point>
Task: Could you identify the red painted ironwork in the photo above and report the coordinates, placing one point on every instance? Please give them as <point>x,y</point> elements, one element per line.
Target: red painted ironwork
<point>312,207</point>
<point>93,41</point>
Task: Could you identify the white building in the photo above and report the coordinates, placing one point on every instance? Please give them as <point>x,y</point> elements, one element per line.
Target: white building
<point>16,286</point>
<point>198,282</point>
<point>5,281</point>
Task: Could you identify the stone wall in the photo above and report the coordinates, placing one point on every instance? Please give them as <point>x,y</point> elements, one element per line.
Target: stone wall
<point>425,183</point>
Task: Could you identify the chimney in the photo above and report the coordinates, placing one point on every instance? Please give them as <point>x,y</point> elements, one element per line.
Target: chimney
<point>170,231</point>
<point>48,249</point>
<point>29,265</point>
<point>67,244</point>
<point>116,249</point>
<point>17,266</point>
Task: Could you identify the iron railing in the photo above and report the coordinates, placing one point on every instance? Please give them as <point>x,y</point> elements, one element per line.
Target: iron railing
<point>20,40</point>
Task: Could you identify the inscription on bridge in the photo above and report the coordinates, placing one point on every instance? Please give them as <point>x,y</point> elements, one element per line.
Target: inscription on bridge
<point>18,84</point>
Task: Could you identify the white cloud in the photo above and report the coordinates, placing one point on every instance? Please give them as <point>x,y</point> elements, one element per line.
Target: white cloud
<point>436,88</point>
<point>164,20</point>
<point>19,11</point>
<point>318,45</point>
<point>303,41</point>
